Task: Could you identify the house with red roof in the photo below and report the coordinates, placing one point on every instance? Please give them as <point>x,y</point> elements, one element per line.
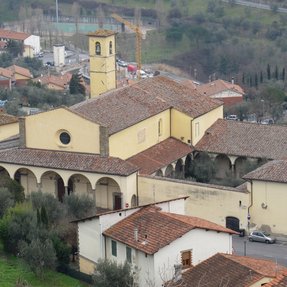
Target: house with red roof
<point>227,92</point>
<point>231,271</point>
<point>152,239</point>
<point>20,74</point>
<point>30,42</point>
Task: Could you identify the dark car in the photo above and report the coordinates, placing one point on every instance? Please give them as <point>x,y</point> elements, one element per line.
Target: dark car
<point>261,236</point>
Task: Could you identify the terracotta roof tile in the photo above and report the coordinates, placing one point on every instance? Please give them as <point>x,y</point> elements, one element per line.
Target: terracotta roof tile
<point>160,155</point>
<point>156,229</point>
<point>228,270</point>
<point>245,139</point>
<point>7,34</point>
<point>67,160</point>
<point>7,119</point>
<point>20,70</point>
<point>218,86</point>
<point>124,107</point>
<point>279,281</point>
<point>275,171</point>
<point>102,33</point>
<point>60,81</point>
<point>6,73</point>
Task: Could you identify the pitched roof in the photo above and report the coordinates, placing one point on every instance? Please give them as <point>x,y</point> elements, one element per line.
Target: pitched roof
<point>124,107</point>
<point>60,81</point>
<point>7,119</point>
<point>7,34</point>
<point>228,270</point>
<point>156,229</point>
<point>245,139</point>
<point>67,160</point>
<point>218,86</point>
<point>275,171</point>
<point>160,155</point>
<point>20,70</point>
<point>6,73</point>
<point>279,281</point>
<point>102,33</point>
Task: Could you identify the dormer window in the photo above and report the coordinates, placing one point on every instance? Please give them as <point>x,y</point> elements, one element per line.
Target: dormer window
<point>98,48</point>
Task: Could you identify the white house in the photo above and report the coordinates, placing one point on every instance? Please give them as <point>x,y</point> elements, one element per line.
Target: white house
<point>153,238</point>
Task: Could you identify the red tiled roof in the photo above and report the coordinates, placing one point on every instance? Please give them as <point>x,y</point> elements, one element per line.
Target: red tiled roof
<point>218,86</point>
<point>245,139</point>
<point>124,107</point>
<point>228,270</point>
<point>275,171</point>
<point>20,70</point>
<point>60,81</point>
<point>6,73</point>
<point>67,160</point>
<point>279,281</point>
<point>7,119</point>
<point>7,34</point>
<point>160,155</point>
<point>102,33</point>
<point>156,229</point>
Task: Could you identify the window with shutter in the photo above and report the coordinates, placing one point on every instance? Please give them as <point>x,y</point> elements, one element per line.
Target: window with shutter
<point>186,259</point>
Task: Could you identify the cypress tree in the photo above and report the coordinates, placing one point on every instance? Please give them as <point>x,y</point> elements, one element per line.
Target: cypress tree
<point>283,74</point>
<point>44,216</point>
<point>39,221</point>
<point>256,80</point>
<point>261,77</point>
<point>276,76</point>
<point>268,72</point>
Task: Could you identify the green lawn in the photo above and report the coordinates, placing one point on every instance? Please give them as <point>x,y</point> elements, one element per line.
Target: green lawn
<point>12,269</point>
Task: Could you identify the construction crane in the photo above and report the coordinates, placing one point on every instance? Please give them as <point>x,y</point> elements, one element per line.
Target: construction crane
<point>139,36</point>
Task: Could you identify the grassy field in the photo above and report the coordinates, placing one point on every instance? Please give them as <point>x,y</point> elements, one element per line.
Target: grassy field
<point>12,269</point>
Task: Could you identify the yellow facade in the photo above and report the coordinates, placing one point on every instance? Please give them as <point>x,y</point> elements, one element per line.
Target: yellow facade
<point>44,130</point>
<point>181,126</point>
<point>205,201</point>
<point>86,265</point>
<point>9,130</point>
<point>102,63</point>
<point>269,205</point>
<point>202,123</point>
<point>140,136</point>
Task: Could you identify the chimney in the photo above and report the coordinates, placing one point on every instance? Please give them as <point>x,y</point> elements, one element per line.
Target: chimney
<point>136,234</point>
<point>177,272</point>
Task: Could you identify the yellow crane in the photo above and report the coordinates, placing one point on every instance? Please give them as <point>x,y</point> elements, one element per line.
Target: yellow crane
<point>139,35</point>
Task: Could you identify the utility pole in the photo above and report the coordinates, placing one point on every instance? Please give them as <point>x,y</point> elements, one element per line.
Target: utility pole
<point>57,11</point>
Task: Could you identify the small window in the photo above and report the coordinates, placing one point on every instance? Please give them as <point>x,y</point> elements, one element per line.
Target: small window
<point>129,254</point>
<point>186,259</point>
<point>111,47</point>
<point>160,127</point>
<point>197,129</point>
<point>98,48</point>
<point>65,138</point>
<point>114,248</point>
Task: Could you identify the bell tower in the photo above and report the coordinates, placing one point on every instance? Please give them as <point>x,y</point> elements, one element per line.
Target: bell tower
<point>102,53</point>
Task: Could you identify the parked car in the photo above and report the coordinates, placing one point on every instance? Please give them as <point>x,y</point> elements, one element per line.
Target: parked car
<point>49,64</point>
<point>261,236</point>
<point>267,122</point>
<point>232,117</point>
<point>122,63</point>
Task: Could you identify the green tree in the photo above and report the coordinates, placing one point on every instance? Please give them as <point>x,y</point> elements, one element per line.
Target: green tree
<point>203,168</point>
<point>6,201</point>
<point>44,216</point>
<point>76,86</point>
<point>39,255</point>
<point>15,48</point>
<point>108,274</point>
<point>6,60</point>
<point>283,74</point>
<point>268,72</point>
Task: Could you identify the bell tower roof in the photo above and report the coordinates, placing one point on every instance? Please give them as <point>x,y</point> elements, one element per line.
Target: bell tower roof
<point>101,33</point>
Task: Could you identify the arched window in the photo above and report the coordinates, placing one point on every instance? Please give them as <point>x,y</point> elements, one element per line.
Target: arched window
<point>111,47</point>
<point>159,128</point>
<point>98,48</point>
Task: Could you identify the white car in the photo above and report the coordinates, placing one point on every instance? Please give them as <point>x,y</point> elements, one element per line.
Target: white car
<point>232,117</point>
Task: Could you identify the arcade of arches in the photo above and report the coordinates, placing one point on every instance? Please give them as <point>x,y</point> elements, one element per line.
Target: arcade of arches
<point>105,190</point>
<point>223,166</point>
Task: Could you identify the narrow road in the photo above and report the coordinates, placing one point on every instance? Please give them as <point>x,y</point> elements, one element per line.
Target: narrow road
<point>256,5</point>
<point>276,252</point>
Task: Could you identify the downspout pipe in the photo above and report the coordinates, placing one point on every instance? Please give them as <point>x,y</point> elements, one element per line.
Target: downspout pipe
<point>251,204</point>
